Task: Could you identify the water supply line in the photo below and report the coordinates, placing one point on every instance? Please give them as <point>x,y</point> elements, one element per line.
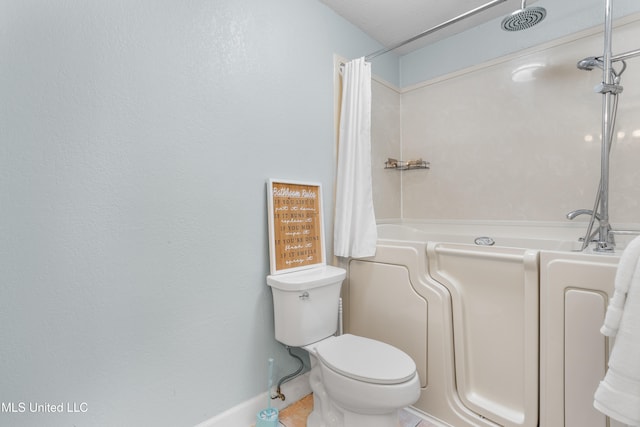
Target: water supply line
<point>279,394</point>
<point>340,318</point>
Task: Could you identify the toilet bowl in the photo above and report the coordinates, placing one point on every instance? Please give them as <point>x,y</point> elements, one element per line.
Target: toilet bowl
<point>356,381</point>
<point>360,382</point>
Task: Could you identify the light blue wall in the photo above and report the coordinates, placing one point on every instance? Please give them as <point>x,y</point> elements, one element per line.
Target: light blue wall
<point>135,141</point>
<point>489,41</point>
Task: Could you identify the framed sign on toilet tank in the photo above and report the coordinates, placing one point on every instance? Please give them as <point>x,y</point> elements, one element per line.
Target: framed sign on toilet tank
<point>296,226</point>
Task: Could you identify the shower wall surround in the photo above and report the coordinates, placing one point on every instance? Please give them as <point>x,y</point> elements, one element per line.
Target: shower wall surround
<point>517,138</point>
<point>385,142</point>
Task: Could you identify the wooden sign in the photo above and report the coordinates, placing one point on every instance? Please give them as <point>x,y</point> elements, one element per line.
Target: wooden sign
<point>296,227</point>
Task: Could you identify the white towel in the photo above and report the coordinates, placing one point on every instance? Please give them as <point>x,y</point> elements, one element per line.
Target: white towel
<point>618,395</point>
<point>624,276</point>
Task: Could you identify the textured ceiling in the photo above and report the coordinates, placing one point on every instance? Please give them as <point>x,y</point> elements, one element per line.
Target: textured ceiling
<point>393,21</point>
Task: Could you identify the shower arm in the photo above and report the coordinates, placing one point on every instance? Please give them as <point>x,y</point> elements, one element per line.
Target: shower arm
<point>434,29</point>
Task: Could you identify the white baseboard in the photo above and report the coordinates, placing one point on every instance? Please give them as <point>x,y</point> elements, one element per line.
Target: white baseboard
<point>244,414</point>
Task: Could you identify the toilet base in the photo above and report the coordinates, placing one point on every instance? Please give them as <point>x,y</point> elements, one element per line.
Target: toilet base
<point>327,413</point>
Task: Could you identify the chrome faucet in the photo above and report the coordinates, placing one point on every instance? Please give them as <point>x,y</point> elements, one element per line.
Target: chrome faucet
<point>605,241</point>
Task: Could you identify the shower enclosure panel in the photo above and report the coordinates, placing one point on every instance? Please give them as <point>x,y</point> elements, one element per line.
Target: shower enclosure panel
<point>494,297</point>
<point>389,297</point>
<point>574,292</point>
<point>383,300</point>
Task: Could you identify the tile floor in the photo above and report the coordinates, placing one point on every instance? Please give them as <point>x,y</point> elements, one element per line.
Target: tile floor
<point>296,415</point>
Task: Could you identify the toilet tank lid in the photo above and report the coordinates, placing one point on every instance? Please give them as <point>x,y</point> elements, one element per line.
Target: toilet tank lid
<point>307,279</point>
<point>366,360</point>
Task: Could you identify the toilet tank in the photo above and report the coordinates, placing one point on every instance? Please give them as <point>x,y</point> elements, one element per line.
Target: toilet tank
<point>305,304</point>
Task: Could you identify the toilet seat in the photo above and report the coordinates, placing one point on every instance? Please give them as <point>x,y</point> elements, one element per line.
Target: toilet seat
<point>366,360</point>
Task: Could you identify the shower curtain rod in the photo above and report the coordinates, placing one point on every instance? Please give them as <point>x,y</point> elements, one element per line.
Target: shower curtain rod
<point>434,29</point>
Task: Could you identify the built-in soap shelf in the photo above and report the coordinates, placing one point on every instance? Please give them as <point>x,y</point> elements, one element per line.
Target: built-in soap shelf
<point>403,165</point>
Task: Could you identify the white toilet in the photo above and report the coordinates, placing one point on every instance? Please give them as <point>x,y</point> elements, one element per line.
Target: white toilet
<point>356,381</point>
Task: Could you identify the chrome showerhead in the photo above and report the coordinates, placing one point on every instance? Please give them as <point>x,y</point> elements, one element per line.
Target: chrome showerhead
<point>524,18</point>
<point>589,63</point>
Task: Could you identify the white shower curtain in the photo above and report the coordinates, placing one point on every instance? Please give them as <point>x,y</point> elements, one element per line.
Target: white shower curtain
<point>355,232</point>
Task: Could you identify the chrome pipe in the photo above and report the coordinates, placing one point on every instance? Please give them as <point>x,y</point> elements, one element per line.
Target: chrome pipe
<point>603,244</point>
<point>434,29</point>
<point>626,55</point>
<point>626,232</point>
